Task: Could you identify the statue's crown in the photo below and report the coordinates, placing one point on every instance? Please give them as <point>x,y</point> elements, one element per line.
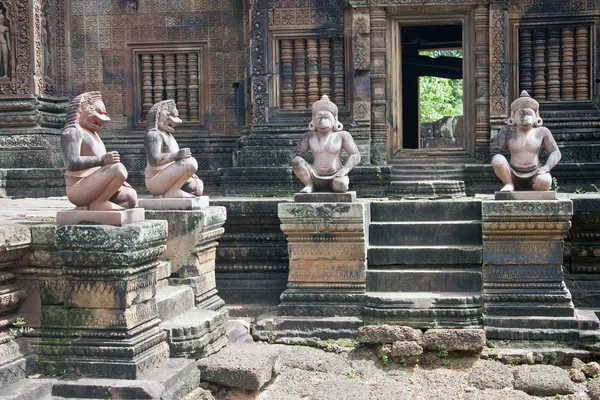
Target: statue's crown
<point>76,105</point>
<point>155,110</point>
<point>325,105</point>
<point>525,101</point>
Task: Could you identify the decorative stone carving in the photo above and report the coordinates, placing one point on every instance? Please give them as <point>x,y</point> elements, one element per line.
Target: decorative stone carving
<point>326,139</point>
<point>524,144</point>
<point>95,178</point>
<point>170,171</point>
<point>5,47</point>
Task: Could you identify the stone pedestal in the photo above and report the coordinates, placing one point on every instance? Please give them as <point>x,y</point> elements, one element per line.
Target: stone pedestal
<point>116,218</point>
<point>106,323</point>
<point>327,259</point>
<point>525,296</point>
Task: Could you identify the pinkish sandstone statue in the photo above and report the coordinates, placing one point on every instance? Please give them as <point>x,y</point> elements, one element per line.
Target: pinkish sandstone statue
<point>326,139</point>
<point>95,178</point>
<point>524,144</point>
<point>170,171</point>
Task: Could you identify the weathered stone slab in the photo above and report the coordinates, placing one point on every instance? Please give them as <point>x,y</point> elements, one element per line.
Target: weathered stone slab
<point>28,389</point>
<point>115,218</point>
<point>325,197</point>
<point>188,203</point>
<point>525,195</point>
<point>247,366</point>
<point>495,394</point>
<point>487,374</point>
<point>404,349</point>
<point>378,334</point>
<point>454,339</point>
<point>593,388</point>
<point>543,380</point>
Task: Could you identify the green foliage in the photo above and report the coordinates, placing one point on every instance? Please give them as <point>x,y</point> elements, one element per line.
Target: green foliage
<point>386,360</point>
<point>579,190</point>
<point>445,362</point>
<point>20,327</point>
<point>440,97</point>
<point>351,373</point>
<point>555,186</point>
<point>442,353</point>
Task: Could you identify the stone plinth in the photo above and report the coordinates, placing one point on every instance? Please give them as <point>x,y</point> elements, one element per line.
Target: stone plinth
<point>525,296</point>
<point>525,195</point>
<point>325,197</point>
<point>327,259</point>
<point>187,203</point>
<point>115,218</point>
<point>106,325</point>
<point>191,249</point>
<point>584,263</point>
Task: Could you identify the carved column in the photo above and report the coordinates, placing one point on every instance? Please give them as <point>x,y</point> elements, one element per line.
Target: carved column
<point>287,89</point>
<point>361,61</point>
<point>339,84</point>
<point>170,76</point>
<point>482,80</point>
<point>568,63</point>
<point>525,60</point>
<point>312,53</point>
<point>300,74</point>
<point>181,77</point>
<point>325,66</point>
<point>157,66</point>
<point>146,84</point>
<point>259,23</point>
<point>193,86</point>
<point>539,64</point>
<point>378,87</point>
<point>582,45</point>
<point>499,60</point>
<point>554,64</point>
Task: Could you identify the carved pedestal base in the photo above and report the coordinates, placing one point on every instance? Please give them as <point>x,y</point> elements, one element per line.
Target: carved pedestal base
<point>326,243</point>
<point>116,218</point>
<point>186,203</point>
<point>524,292</point>
<point>198,330</point>
<point>107,326</point>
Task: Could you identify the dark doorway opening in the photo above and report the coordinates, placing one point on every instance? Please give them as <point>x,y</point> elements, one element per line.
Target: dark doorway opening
<point>432,73</point>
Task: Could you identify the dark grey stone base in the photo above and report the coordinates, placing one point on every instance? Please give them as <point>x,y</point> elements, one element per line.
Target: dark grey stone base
<point>32,182</point>
<point>13,363</point>
<point>427,189</point>
<point>525,195</point>
<point>322,302</point>
<point>273,328</point>
<point>325,197</point>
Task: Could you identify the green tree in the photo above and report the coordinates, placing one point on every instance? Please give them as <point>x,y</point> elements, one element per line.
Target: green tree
<point>440,97</point>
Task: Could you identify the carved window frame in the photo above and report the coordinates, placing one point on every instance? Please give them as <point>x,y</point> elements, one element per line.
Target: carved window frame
<point>274,36</point>
<point>134,86</point>
<point>516,22</point>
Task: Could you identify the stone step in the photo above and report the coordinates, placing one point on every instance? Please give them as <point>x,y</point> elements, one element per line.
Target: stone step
<point>196,333</point>
<point>529,322</point>
<point>539,309</point>
<point>424,280</point>
<point>492,332</point>
<point>28,389</point>
<point>426,210</point>
<point>432,255</point>
<point>173,301</point>
<point>587,319</point>
<point>427,189</point>
<point>425,233</point>
<point>425,309</point>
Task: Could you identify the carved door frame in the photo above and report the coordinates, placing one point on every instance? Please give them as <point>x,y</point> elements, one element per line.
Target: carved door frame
<point>401,16</point>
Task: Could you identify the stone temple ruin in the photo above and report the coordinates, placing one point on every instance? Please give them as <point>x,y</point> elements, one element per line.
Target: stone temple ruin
<point>257,170</point>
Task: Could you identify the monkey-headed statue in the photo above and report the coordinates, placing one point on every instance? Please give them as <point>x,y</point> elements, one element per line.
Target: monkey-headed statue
<point>170,171</point>
<point>95,178</point>
<point>326,139</point>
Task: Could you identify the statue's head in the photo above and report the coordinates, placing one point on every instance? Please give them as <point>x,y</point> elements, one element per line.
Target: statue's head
<point>164,116</point>
<point>88,111</point>
<point>525,112</point>
<point>325,116</point>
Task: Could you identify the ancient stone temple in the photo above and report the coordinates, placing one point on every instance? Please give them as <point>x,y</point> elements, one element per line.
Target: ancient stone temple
<point>222,99</point>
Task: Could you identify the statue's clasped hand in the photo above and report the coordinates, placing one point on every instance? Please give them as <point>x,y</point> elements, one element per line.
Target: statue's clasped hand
<point>111,157</point>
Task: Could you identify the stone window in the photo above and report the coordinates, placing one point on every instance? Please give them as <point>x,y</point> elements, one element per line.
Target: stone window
<point>174,71</point>
<point>305,68</point>
<point>555,62</point>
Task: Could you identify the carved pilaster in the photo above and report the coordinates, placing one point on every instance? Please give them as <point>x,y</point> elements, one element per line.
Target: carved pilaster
<point>582,46</point>
<point>378,87</point>
<point>554,64</point>
<point>539,64</point>
<point>287,57</point>
<point>526,60</point>
<point>568,63</point>
<point>498,70</point>
<point>482,81</point>
<point>258,60</point>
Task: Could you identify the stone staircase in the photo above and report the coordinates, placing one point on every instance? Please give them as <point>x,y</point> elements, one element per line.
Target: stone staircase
<point>192,332</point>
<point>424,263</point>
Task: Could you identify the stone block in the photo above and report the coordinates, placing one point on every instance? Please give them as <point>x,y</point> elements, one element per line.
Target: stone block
<point>379,334</point>
<point>115,218</point>
<point>28,389</point>
<point>543,380</point>
<point>525,195</point>
<point>454,339</point>
<point>246,366</point>
<point>487,374</point>
<point>188,203</point>
<point>593,388</point>
<point>404,349</point>
<point>172,301</point>
<point>325,197</point>
<point>495,394</point>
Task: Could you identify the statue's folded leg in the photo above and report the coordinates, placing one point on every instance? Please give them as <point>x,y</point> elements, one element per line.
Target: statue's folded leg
<point>542,182</point>
<point>126,197</point>
<point>194,185</point>
<point>95,190</point>
<point>504,172</point>
<point>303,172</point>
<point>168,182</point>
<point>340,185</point>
